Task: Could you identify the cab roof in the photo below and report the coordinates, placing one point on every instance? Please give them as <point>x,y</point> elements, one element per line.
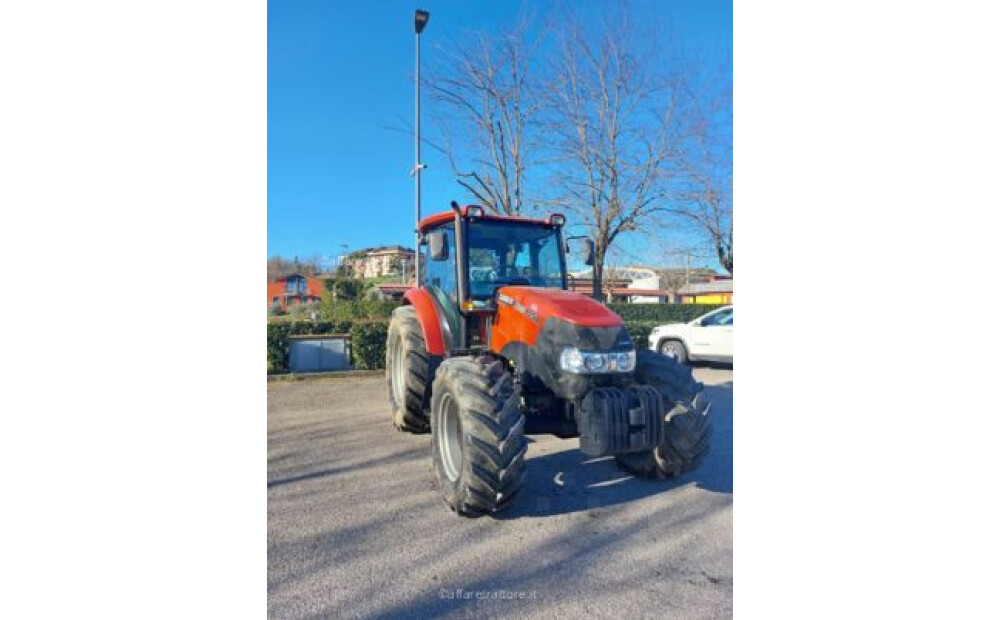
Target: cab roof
<point>432,221</point>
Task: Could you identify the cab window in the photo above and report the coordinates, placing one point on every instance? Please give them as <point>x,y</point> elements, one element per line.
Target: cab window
<point>512,253</point>
<point>440,278</point>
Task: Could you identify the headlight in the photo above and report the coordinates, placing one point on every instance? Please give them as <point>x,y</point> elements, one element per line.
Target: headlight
<point>571,360</point>
<point>626,361</point>
<point>577,361</point>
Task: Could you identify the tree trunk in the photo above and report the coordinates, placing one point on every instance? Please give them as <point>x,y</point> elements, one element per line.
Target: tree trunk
<point>597,291</point>
<point>725,253</point>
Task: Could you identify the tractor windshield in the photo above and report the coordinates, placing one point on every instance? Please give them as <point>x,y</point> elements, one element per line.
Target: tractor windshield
<point>500,253</point>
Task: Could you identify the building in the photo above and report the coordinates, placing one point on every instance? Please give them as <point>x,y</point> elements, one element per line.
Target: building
<point>634,285</point>
<point>293,289</point>
<point>718,290</point>
<point>381,261</point>
<point>392,291</point>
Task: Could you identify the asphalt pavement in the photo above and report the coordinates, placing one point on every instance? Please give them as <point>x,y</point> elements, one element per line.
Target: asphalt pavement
<point>356,527</point>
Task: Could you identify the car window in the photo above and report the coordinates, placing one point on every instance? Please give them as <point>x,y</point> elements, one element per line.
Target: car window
<point>719,318</point>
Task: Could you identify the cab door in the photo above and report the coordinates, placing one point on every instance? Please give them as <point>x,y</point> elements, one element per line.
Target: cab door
<point>712,337</point>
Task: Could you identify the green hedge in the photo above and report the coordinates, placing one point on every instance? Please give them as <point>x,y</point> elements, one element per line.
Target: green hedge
<point>369,324</point>
<point>359,309</point>
<point>639,332</point>
<point>368,344</point>
<point>662,313</point>
<point>367,341</point>
<point>362,309</point>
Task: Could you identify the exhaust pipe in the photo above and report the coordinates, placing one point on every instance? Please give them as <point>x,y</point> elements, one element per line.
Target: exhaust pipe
<point>463,294</point>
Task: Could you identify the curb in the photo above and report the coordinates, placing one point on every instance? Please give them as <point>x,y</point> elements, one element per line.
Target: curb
<point>291,376</point>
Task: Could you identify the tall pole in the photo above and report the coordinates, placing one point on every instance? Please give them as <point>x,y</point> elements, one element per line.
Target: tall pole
<point>420,21</point>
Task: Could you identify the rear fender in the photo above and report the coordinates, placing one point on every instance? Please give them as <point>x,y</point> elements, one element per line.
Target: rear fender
<point>427,314</point>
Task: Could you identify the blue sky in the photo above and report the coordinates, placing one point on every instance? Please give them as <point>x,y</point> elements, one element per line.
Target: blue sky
<point>340,72</point>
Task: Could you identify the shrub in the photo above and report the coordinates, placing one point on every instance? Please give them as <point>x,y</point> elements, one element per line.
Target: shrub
<point>639,332</point>
<point>347,288</point>
<point>368,344</point>
<point>302,311</point>
<point>360,310</point>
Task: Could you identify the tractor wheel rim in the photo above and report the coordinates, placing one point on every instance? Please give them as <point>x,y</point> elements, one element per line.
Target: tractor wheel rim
<point>398,373</point>
<point>450,438</point>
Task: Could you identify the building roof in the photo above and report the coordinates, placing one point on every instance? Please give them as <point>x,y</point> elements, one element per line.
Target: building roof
<point>641,292</point>
<point>378,250</point>
<point>394,287</point>
<point>297,274</point>
<point>707,288</point>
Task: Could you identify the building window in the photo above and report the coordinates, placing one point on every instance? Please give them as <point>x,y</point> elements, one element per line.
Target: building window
<point>295,285</point>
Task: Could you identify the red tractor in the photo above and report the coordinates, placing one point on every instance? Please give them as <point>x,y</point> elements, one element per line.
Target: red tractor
<point>490,346</point>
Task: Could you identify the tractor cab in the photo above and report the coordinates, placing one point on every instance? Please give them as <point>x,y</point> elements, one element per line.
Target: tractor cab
<point>467,256</point>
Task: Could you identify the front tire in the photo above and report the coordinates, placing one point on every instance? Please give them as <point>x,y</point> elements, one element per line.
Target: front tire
<point>477,433</point>
<point>409,371</point>
<point>688,428</point>
<point>674,349</point>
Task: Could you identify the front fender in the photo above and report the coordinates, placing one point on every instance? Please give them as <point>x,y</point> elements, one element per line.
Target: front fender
<point>427,314</point>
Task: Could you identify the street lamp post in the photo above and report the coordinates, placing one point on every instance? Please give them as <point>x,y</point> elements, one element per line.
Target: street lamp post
<point>419,23</point>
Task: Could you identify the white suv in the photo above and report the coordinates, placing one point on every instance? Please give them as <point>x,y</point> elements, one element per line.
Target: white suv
<point>709,338</point>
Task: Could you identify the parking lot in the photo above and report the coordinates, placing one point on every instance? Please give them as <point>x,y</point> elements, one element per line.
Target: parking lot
<point>356,527</point>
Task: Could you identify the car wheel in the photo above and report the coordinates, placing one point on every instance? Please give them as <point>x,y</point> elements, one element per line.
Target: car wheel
<point>674,349</point>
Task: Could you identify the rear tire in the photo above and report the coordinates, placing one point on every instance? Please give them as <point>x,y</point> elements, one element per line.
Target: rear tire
<point>674,349</point>
<point>409,371</point>
<point>477,434</point>
<point>688,428</point>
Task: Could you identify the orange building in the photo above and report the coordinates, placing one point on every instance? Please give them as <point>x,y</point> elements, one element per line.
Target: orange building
<point>294,289</point>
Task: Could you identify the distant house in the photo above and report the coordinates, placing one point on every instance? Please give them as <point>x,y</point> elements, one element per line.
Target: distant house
<point>381,261</point>
<point>392,291</point>
<point>718,290</point>
<point>293,289</point>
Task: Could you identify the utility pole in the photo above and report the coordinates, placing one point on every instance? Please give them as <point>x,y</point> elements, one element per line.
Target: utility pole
<point>419,23</point>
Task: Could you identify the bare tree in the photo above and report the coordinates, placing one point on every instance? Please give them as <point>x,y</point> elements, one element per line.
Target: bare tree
<point>279,266</point>
<point>705,196</point>
<point>617,125</point>
<point>710,208</point>
<point>487,100</point>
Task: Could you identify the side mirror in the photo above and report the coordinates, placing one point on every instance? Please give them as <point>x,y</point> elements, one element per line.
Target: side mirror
<point>438,244</point>
<point>587,250</point>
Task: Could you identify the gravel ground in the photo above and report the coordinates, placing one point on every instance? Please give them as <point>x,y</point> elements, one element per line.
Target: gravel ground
<point>356,527</point>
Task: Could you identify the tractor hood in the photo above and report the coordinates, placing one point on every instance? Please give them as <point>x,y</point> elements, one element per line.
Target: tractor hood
<point>534,326</point>
<point>545,303</point>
